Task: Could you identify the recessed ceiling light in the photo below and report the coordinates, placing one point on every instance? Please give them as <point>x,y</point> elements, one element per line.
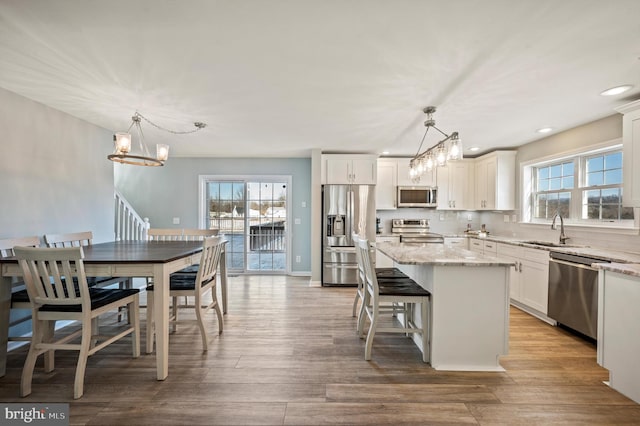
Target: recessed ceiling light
<point>616,90</point>
<point>545,130</point>
<point>474,148</point>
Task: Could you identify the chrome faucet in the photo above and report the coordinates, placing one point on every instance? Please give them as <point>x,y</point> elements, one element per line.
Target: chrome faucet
<point>563,237</point>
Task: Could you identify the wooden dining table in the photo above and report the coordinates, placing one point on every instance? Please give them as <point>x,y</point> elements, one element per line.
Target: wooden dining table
<point>155,259</point>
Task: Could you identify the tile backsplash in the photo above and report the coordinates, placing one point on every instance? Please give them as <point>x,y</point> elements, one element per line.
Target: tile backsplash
<point>503,224</point>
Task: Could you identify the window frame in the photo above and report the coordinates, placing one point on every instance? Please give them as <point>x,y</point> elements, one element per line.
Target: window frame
<point>579,157</point>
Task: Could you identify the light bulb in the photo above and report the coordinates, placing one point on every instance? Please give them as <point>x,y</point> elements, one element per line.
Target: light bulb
<point>162,152</point>
<point>441,156</point>
<point>429,161</point>
<point>455,150</point>
<point>123,142</point>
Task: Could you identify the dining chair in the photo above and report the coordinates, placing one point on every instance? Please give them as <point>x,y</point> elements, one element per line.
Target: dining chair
<point>376,295</point>
<point>386,276</point>
<point>58,290</point>
<point>164,234</point>
<point>19,296</point>
<point>196,286</point>
<point>81,239</point>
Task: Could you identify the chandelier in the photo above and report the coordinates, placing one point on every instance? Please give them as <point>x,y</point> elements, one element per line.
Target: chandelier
<point>141,156</point>
<point>448,149</point>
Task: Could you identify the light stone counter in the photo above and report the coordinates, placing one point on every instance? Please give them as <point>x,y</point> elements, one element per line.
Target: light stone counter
<point>632,269</point>
<point>469,321</point>
<point>580,250</point>
<point>437,254</point>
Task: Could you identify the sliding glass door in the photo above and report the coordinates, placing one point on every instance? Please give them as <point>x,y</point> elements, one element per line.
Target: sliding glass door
<point>252,213</point>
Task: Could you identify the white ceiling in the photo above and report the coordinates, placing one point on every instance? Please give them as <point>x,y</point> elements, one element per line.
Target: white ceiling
<point>278,78</point>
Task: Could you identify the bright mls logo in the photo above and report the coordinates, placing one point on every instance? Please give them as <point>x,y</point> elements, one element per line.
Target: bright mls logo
<point>34,414</point>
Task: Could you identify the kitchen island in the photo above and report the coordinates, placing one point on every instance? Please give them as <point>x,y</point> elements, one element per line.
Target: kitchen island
<point>619,325</point>
<point>469,303</point>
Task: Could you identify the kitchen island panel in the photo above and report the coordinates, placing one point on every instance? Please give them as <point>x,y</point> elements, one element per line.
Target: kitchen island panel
<point>469,303</point>
<point>469,315</point>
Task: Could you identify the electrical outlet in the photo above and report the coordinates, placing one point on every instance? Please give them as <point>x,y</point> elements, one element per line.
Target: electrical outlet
<point>304,204</point>
<point>297,221</point>
<point>441,216</point>
<point>514,218</point>
<point>176,221</point>
<point>298,259</point>
<point>506,218</point>
<point>469,217</point>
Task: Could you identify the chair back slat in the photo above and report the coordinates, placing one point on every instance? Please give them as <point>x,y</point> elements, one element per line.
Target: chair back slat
<point>210,258</point>
<point>7,244</point>
<point>75,239</point>
<point>172,234</point>
<point>198,234</point>
<point>370,280</point>
<point>50,275</point>
<point>162,234</point>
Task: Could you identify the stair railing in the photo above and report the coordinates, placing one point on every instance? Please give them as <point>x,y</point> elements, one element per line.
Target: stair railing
<point>129,225</point>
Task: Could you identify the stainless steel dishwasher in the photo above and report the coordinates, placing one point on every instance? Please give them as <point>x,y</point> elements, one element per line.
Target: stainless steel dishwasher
<point>573,292</point>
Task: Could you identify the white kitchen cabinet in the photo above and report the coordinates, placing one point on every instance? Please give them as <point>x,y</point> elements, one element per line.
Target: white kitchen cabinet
<point>510,252</point>
<point>455,185</point>
<point>386,188</point>
<point>530,279</point>
<point>535,278</point>
<point>427,179</point>
<point>348,168</point>
<point>495,177</point>
<point>476,245</point>
<point>631,153</point>
<point>459,242</point>
<point>382,260</point>
<point>483,246</point>
<point>619,330</point>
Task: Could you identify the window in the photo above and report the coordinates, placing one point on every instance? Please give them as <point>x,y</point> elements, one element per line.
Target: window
<point>602,190</point>
<point>585,188</point>
<point>552,183</point>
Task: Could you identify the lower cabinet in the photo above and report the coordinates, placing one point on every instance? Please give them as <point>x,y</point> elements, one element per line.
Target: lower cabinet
<point>382,260</point>
<point>460,242</point>
<point>529,284</point>
<point>483,246</point>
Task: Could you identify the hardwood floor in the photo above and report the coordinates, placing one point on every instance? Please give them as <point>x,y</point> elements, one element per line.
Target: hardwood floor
<point>289,355</point>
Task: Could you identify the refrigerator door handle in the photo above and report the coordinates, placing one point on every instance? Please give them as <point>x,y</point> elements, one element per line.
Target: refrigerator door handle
<point>350,216</point>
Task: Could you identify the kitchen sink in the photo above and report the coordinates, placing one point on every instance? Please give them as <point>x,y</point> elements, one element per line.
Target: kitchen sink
<point>549,244</point>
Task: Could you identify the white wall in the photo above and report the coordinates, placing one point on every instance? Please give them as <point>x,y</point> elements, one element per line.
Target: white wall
<point>54,172</point>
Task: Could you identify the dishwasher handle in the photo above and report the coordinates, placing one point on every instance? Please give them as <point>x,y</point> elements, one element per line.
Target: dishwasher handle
<point>574,265</point>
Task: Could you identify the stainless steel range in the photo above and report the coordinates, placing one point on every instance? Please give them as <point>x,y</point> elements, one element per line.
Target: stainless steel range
<point>415,231</point>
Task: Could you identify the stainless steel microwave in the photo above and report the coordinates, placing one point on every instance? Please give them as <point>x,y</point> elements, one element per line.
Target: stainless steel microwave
<point>417,196</point>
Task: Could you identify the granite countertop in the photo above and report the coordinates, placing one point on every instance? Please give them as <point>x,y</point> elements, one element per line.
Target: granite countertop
<point>612,255</point>
<point>632,269</point>
<point>437,254</point>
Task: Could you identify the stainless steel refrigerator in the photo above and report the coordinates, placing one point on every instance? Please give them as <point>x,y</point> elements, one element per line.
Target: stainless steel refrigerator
<point>345,209</point>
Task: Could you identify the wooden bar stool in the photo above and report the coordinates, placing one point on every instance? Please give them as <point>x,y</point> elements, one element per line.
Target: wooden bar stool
<point>377,295</point>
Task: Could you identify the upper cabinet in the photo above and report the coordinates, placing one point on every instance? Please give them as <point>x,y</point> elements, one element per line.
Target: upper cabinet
<point>455,185</point>
<point>495,181</point>
<point>631,153</point>
<point>387,183</point>
<point>349,168</point>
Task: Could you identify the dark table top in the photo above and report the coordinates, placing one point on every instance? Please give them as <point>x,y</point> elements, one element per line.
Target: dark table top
<point>135,251</point>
